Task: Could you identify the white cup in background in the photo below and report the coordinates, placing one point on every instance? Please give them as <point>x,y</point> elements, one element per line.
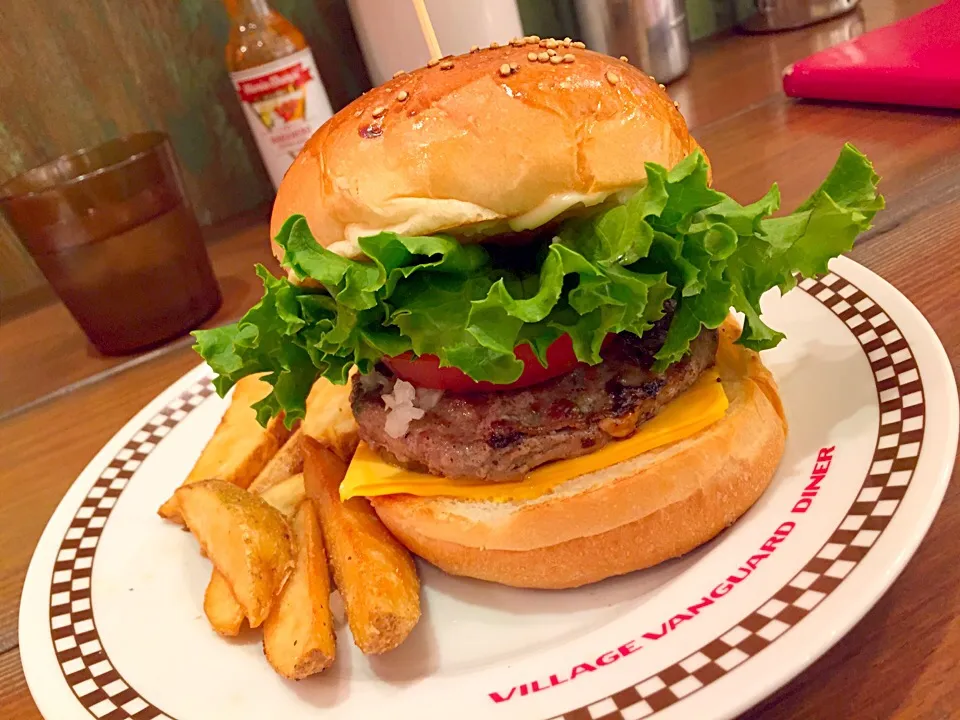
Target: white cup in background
<point>390,36</point>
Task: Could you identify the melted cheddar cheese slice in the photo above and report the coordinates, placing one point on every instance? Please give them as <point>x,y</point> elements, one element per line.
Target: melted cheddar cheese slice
<point>700,406</point>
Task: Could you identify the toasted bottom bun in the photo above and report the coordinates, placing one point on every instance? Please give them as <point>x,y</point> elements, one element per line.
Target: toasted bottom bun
<point>629,516</point>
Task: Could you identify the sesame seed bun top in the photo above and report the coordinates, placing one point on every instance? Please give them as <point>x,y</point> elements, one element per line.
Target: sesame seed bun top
<point>498,140</point>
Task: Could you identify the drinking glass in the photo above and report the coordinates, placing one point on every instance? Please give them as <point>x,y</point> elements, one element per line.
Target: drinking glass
<point>113,232</point>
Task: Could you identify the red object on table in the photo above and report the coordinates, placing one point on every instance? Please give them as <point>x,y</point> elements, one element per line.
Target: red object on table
<point>913,62</point>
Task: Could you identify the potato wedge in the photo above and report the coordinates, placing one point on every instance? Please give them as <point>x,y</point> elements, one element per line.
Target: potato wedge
<point>287,462</point>
<point>247,540</point>
<point>239,448</point>
<point>329,419</point>
<point>219,605</point>
<point>374,573</point>
<point>221,608</point>
<point>286,496</point>
<point>298,635</point>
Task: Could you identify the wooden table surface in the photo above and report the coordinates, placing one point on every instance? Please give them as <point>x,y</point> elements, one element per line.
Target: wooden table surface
<point>900,661</point>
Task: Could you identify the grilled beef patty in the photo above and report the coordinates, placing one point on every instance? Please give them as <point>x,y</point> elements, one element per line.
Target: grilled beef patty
<point>500,435</point>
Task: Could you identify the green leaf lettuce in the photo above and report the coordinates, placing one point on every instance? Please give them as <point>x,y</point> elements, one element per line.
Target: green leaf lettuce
<point>676,238</point>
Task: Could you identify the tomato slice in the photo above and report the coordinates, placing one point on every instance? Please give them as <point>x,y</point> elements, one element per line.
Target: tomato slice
<point>425,370</point>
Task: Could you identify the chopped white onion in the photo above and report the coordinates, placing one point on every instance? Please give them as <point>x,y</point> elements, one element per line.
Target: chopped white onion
<point>399,419</point>
<point>427,398</point>
<point>405,403</point>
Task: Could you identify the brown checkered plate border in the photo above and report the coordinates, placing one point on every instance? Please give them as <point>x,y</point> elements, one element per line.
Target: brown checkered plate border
<point>86,667</point>
<point>101,689</point>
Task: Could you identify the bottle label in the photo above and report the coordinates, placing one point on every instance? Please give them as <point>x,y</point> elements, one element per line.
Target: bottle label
<point>285,103</point>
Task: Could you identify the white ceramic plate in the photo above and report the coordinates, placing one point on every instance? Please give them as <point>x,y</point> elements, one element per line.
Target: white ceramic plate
<point>111,623</point>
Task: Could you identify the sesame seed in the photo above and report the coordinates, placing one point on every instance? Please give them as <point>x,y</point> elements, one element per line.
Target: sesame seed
<point>569,58</point>
<point>494,45</point>
<point>402,96</point>
<point>505,70</point>
<point>532,56</point>
<point>566,40</point>
<point>653,78</point>
<point>446,65</point>
<point>379,111</point>
<point>579,45</point>
<point>533,39</point>
<point>624,58</point>
<point>543,43</point>
<point>517,42</point>
<point>551,43</point>
<point>474,48</point>
<point>612,77</point>
<point>514,67</point>
<point>398,73</point>
<point>543,57</point>
<point>433,62</point>
<point>662,86</point>
<point>556,59</point>
<point>676,104</point>
<point>551,53</point>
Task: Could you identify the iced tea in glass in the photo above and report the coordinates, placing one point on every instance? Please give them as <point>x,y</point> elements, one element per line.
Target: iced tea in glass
<point>113,232</point>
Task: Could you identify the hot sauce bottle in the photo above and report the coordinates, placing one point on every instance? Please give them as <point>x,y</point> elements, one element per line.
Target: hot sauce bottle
<point>276,80</point>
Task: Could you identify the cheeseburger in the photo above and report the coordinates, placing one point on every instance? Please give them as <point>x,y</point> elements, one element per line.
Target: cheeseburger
<point>517,260</point>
